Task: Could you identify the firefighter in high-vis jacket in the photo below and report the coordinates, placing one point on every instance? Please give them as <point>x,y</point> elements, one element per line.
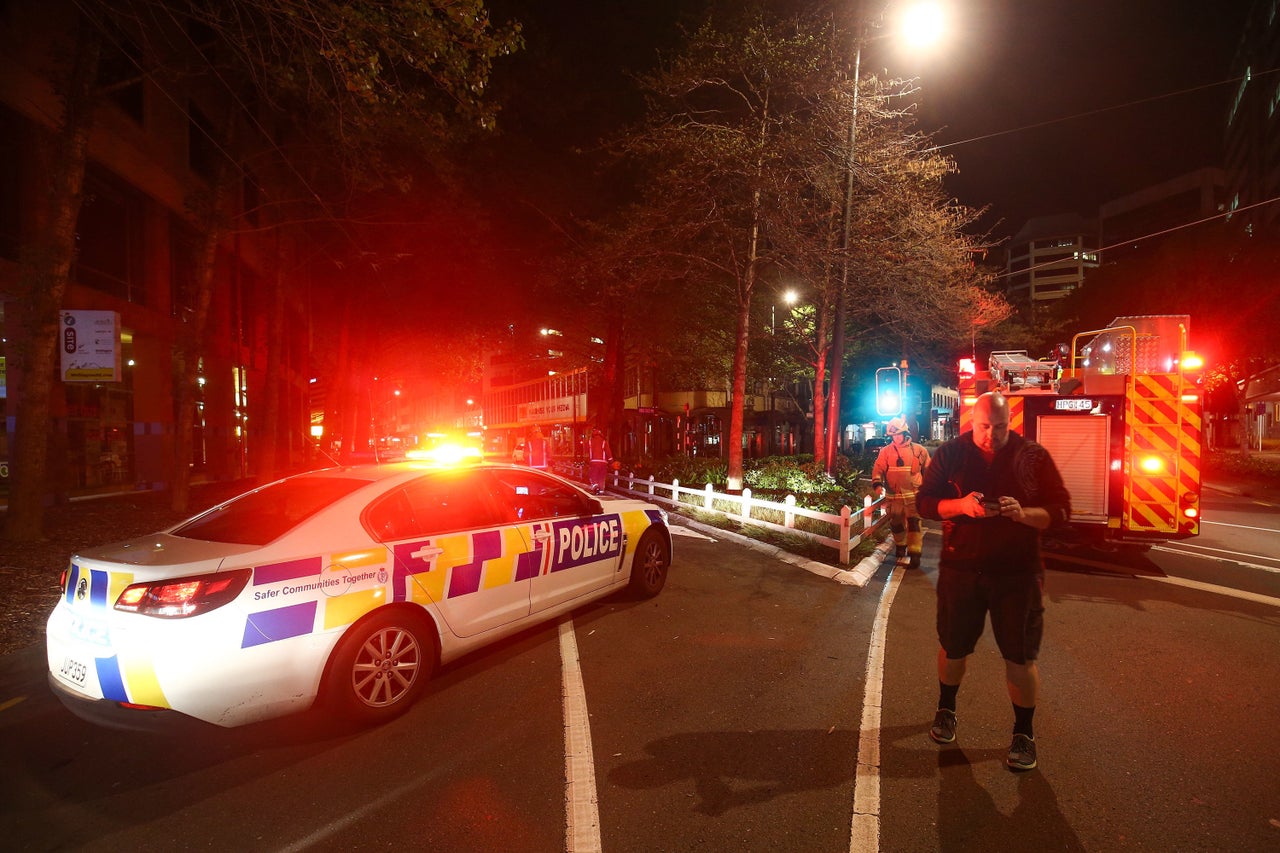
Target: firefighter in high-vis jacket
<point>899,470</point>
<point>599,458</point>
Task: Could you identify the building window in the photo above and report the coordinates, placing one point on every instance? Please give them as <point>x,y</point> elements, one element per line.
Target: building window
<point>182,278</point>
<point>202,152</point>
<point>109,239</point>
<point>120,73</point>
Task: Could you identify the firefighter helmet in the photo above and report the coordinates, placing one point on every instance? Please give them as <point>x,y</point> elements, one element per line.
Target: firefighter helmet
<point>896,426</point>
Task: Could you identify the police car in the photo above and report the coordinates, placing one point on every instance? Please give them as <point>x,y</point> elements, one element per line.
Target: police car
<point>344,585</point>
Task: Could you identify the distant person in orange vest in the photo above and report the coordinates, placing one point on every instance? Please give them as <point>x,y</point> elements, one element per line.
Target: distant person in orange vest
<point>536,452</point>
<point>599,458</point>
<point>899,469</point>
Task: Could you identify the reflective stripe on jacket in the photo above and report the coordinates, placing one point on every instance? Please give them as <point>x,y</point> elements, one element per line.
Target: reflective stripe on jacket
<point>599,449</point>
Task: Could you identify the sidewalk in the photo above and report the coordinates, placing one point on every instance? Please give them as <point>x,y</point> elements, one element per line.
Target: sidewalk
<point>1256,475</point>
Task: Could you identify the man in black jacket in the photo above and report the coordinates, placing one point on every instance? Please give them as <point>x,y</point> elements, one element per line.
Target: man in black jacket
<point>994,491</point>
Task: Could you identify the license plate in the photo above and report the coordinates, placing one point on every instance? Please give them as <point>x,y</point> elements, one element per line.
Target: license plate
<point>74,671</point>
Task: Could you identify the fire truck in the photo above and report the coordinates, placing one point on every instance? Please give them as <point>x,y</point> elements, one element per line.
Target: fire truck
<point>1121,412</point>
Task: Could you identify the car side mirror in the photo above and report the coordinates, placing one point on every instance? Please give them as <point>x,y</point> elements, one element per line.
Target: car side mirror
<point>594,507</point>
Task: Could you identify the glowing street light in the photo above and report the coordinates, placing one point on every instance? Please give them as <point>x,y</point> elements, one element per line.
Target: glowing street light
<point>790,297</point>
<point>922,24</point>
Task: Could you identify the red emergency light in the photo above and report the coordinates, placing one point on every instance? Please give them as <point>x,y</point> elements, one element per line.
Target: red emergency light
<point>967,368</point>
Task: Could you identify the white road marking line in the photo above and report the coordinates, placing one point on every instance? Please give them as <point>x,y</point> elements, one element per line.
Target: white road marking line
<point>581,802</point>
<point>865,830</point>
<point>1239,526</point>
<point>1182,546</point>
<point>1220,590</point>
<point>321,836</point>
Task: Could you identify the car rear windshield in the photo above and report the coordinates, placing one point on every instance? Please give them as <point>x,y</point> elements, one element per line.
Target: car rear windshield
<point>265,515</point>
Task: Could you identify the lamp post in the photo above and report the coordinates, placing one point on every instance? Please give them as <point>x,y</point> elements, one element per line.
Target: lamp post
<point>921,24</point>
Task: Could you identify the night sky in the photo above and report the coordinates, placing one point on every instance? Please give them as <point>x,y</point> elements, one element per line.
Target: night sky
<point>1007,65</point>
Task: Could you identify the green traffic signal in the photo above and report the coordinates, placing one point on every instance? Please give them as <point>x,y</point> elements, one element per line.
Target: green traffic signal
<point>888,392</point>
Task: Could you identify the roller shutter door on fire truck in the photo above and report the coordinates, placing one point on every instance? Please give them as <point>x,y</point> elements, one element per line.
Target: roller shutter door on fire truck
<point>1078,445</point>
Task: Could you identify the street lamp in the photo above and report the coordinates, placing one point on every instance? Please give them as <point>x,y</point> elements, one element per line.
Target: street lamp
<point>789,297</point>
<point>921,23</point>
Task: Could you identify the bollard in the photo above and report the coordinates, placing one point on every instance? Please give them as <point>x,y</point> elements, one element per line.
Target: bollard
<point>675,490</point>
<point>746,503</point>
<point>651,484</point>
<point>706,501</point>
<point>789,517</point>
<point>866,513</point>
<point>845,514</point>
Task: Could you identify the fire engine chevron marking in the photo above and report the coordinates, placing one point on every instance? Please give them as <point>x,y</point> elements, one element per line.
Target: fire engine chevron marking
<point>1155,411</point>
<point>1015,415</point>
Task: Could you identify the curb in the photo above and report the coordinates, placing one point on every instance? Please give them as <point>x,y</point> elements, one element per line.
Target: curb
<point>856,576</point>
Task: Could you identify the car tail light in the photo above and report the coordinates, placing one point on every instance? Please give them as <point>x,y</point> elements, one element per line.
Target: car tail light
<point>182,597</point>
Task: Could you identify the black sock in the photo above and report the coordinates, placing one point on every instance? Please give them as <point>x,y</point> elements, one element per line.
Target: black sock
<point>947,695</point>
<point>1022,720</point>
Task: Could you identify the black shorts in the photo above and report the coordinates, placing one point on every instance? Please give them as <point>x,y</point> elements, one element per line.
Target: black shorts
<point>1015,602</point>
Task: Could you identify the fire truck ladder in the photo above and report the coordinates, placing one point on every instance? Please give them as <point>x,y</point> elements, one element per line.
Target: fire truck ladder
<point>1014,370</point>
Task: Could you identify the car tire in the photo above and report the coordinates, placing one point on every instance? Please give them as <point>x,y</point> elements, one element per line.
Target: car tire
<point>380,667</point>
<point>650,564</point>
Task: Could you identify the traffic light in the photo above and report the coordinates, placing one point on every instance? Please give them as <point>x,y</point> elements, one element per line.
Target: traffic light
<point>889,392</point>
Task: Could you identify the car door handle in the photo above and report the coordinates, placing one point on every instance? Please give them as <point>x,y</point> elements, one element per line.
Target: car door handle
<point>427,552</point>
<point>541,535</point>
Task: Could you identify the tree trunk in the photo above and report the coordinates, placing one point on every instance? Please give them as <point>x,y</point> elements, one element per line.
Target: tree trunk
<point>609,418</point>
<point>190,345</point>
<point>821,349</point>
<point>46,268</point>
<point>832,426</point>
<point>735,474</point>
<point>746,287</point>
<point>273,390</point>
<point>333,439</point>
<point>842,298</point>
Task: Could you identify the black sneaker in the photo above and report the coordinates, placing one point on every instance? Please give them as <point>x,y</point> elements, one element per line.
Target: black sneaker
<point>914,562</point>
<point>901,554</point>
<point>943,729</point>
<point>1022,753</point>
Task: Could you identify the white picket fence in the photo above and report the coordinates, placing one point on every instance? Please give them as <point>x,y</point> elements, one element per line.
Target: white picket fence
<point>844,541</point>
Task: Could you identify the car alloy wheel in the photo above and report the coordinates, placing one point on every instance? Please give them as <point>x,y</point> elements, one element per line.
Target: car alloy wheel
<point>380,667</point>
<point>650,564</point>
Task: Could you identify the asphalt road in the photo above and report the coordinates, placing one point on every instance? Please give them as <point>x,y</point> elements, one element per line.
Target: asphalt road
<point>727,714</point>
